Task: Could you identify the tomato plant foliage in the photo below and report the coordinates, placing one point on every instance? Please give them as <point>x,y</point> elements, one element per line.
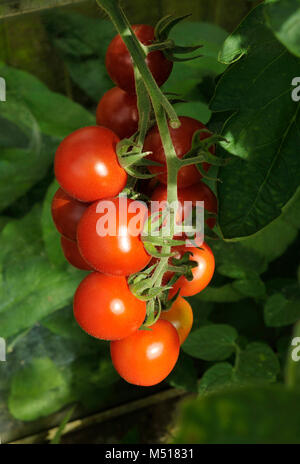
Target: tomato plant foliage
<point>262,130</point>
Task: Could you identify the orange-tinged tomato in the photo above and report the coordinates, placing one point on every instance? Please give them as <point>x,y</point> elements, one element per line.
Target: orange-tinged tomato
<point>105,307</point>
<point>147,356</point>
<point>181,317</point>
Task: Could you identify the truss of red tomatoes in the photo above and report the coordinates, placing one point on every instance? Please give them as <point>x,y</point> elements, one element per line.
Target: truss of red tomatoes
<point>89,172</point>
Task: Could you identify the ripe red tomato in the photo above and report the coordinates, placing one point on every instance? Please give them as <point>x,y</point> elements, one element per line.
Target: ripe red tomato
<point>147,356</point>
<point>118,111</point>
<point>182,141</point>
<point>119,64</point>
<point>196,192</point>
<point>105,307</point>
<point>72,254</point>
<point>202,274</point>
<point>66,212</point>
<point>86,165</point>
<point>108,236</point>
<point>181,317</point>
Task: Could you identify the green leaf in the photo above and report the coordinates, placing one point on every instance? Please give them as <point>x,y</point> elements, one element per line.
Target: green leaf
<point>212,342</point>
<point>184,375</point>
<point>82,42</point>
<point>253,287</point>
<point>252,415</point>
<point>30,286</point>
<point>216,378</point>
<point>283,17</point>
<point>55,114</point>
<point>283,308</point>
<point>262,132</point>
<point>25,156</point>
<point>257,363</point>
<point>38,390</point>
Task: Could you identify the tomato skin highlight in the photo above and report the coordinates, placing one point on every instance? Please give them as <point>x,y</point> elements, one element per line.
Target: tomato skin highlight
<point>182,141</point>
<point>72,254</point>
<point>202,274</point>
<point>86,164</point>
<point>117,110</point>
<point>66,213</point>
<point>120,254</point>
<point>147,357</point>
<point>181,317</point>
<point>193,193</point>
<point>105,308</point>
<point>119,64</point>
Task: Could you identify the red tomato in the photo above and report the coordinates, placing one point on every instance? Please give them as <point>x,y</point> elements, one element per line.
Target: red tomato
<point>182,141</point>
<point>202,274</point>
<point>181,317</point>
<point>119,64</point>
<point>109,236</point>
<point>86,165</point>
<point>66,213</point>
<point>147,356</point>
<point>196,192</point>
<point>105,307</point>
<point>72,254</point>
<point>118,111</point>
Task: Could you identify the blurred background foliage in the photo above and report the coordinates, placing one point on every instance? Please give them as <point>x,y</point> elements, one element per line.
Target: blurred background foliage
<point>53,64</point>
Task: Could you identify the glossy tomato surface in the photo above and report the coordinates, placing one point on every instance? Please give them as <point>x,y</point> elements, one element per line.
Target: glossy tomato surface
<point>86,164</point>
<point>147,356</point>
<point>66,213</point>
<point>105,307</point>
<point>181,317</point>
<point>182,141</point>
<point>192,194</point>
<point>108,236</point>
<point>72,254</point>
<point>118,111</point>
<point>202,273</point>
<point>119,64</point>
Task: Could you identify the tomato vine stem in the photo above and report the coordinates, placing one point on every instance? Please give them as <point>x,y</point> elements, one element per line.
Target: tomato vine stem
<point>163,111</point>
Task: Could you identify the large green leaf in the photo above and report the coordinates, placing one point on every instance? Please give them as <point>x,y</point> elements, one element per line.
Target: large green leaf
<point>32,122</point>
<point>30,286</point>
<point>55,114</point>
<point>82,42</point>
<point>254,415</point>
<point>38,390</point>
<point>283,17</point>
<point>262,132</point>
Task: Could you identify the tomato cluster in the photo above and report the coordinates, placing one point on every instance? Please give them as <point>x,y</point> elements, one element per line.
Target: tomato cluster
<point>89,172</point>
